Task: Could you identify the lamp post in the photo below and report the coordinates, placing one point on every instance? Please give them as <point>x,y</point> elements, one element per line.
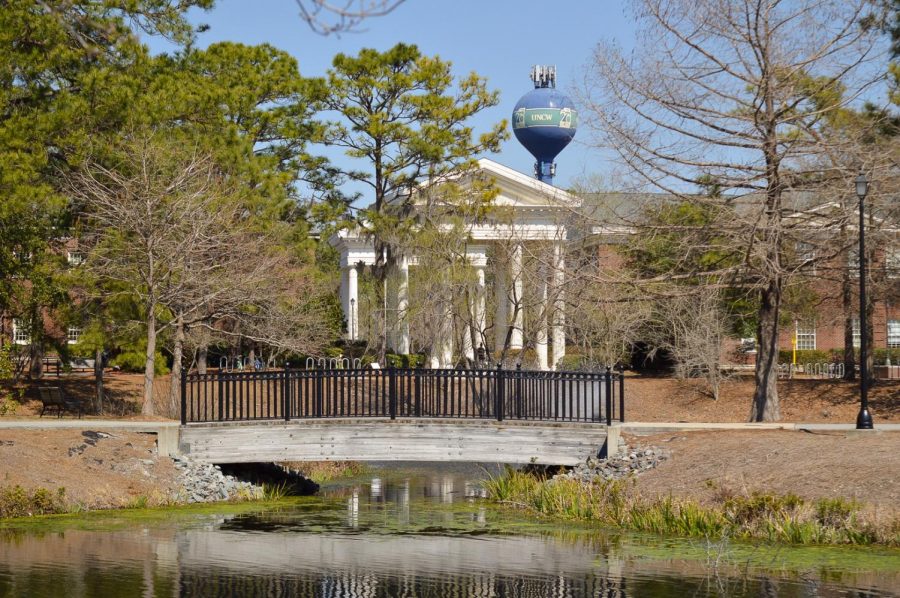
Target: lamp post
<point>864,419</point>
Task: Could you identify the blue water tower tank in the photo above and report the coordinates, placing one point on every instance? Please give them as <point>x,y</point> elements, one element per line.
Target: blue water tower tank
<point>544,121</point>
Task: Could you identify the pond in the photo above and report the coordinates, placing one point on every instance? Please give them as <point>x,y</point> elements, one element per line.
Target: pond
<point>405,530</point>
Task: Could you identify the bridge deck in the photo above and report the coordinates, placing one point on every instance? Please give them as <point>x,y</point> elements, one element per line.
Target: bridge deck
<point>395,440</point>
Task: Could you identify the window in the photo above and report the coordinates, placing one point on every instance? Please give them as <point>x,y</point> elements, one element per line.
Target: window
<point>806,337</point>
<point>857,336</point>
<point>806,255</point>
<point>853,260</point>
<point>892,262</point>
<point>20,333</point>
<point>73,334</point>
<point>75,258</point>
<point>893,333</point>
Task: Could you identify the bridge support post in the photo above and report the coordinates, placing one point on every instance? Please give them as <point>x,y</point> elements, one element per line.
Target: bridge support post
<point>518,398</point>
<point>320,398</point>
<point>417,373</point>
<point>220,388</point>
<point>608,390</point>
<point>392,392</point>
<point>501,383</point>
<point>183,396</point>
<point>285,397</point>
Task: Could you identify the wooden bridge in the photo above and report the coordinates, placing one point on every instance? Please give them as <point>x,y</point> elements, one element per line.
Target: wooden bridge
<point>511,416</point>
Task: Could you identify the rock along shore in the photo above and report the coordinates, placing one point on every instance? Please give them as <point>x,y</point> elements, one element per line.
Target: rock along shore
<point>627,462</point>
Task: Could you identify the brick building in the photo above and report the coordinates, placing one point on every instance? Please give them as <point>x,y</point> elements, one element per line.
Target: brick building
<point>820,325</point>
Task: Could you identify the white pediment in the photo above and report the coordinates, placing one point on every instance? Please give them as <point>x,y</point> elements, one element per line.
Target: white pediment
<point>518,190</point>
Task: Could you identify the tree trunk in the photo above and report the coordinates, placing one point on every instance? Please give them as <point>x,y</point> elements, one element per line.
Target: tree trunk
<point>871,292</point>
<point>202,351</point>
<point>847,305</point>
<point>765,396</point>
<point>98,381</point>
<point>36,361</point>
<point>870,327</point>
<point>175,380</point>
<point>149,364</point>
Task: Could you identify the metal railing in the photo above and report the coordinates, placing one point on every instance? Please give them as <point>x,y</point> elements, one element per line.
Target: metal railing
<point>821,370</point>
<point>408,393</point>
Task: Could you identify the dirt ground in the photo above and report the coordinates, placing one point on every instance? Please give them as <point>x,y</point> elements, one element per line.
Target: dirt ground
<point>864,466</point>
<point>123,394</point>
<point>647,399</point>
<point>97,469</point>
<point>650,399</point>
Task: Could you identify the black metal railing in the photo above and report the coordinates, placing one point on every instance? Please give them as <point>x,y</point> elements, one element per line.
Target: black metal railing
<point>422,393</point>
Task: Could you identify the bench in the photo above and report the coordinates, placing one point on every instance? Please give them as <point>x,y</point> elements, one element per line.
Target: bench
<point>53,398</point>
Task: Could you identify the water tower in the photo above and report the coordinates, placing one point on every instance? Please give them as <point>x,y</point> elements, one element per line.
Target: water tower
<point>544,121</point>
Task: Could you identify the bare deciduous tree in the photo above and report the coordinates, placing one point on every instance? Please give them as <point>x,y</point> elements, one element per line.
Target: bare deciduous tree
<point>692,328</point>
<point>733,92</point>
<point>343,16</point>
<point>167,228</point>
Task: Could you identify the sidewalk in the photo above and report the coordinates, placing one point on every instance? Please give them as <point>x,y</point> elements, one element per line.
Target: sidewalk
<point>647,428</point>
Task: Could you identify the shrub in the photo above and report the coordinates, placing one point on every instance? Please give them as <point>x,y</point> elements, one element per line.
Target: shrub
<point>20,502</point>
<point>746,510</point>
<point>409,360</point>
<point>133,361</point>
<point>807,356</point>
<point>879,355</point>
<point>7,372</point>
<point>571,363</point>
<point>835,512</point>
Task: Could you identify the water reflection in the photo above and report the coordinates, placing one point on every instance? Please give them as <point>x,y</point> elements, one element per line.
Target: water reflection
<point>389,535</point>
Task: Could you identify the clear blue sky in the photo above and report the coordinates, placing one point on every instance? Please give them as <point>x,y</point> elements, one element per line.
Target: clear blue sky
<point>500,40</point>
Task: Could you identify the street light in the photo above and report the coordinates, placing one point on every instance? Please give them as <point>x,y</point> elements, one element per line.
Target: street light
<point>864,419</point>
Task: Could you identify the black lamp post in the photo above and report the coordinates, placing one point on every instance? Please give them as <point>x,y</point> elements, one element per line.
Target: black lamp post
<point>864,419</point>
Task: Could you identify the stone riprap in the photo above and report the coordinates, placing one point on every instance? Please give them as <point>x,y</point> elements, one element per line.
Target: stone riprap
<point>204,482</point>
<point>627,462</point>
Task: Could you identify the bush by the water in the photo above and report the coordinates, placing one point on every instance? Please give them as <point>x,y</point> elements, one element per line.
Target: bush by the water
<point>17,501</point>
<point>757,516</point>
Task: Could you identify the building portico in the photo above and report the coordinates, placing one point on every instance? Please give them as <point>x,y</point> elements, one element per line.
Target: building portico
<point>527,223</point>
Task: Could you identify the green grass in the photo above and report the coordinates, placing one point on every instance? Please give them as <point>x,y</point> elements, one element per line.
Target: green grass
<point>322,472</point>
<point>275,492</point>
<point>778,519</point>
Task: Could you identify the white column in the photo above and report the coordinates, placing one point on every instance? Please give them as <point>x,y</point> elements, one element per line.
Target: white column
<point>558,317</point>
<point>540,341</point>
<point>345,300</point>
<point>479,308</point>
<point>352,304</point>
<point>402,308</point>
<point>501,317</point>
<point>447,337</point>
<point>517,305</point>
<point>467,348</point>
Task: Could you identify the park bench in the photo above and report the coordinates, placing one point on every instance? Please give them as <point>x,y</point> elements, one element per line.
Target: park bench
<point>53,398</point>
